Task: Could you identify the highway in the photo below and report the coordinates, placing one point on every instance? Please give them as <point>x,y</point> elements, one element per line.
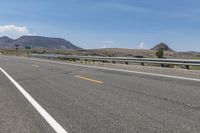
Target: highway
<point>93,100</point>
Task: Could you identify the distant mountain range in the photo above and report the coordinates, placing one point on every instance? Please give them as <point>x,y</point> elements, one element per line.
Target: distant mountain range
<point>37,42</point>
<point>162,46</point>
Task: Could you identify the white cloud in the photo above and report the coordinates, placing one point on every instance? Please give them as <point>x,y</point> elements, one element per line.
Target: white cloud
<point>107,44</point>
<point>10,28</point>
<point>104,46</point>
<point>142,46</point>
<point>14,31</point>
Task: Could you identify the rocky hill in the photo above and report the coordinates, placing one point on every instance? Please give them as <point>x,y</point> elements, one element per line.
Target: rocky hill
<point>162,46</point>
<point>4,41</point>
<point>37,42</point>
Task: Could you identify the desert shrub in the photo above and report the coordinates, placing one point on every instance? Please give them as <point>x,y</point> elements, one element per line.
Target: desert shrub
<point>160,53</point>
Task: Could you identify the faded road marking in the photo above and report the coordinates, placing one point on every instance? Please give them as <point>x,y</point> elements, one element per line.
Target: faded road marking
<point>52,122</point>
<point>92,80</point>
<point>35,66</point>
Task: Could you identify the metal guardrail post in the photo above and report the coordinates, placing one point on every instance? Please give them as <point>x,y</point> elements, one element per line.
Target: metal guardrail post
<point>85,61</point>
<point>187,67</point>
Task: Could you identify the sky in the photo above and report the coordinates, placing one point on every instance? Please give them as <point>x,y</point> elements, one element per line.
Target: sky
<point>89,24</point>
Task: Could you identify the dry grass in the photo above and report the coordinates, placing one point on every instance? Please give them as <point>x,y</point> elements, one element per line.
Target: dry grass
<point>109,52</point>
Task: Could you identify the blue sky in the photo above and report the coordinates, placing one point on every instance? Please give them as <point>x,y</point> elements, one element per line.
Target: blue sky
<point>106,23</point>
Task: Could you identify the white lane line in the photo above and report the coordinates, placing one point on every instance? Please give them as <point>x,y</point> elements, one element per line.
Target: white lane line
<point>52,122</point>
<point>120,70</point>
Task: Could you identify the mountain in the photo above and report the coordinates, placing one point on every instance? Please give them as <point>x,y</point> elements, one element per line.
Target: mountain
<point>37,42</point>
<point>4,41</point>
<point>163,46</point>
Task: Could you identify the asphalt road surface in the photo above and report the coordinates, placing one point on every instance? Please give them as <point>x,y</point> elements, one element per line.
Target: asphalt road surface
<point>94,100</point>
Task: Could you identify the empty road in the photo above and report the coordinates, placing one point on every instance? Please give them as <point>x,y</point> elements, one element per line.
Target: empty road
<point>77,99</point>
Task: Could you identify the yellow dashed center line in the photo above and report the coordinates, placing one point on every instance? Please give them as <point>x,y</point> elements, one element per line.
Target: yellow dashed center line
<point>92,80</point>
<point>35,66</point>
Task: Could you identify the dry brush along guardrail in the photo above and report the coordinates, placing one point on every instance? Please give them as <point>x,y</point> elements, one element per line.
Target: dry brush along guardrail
<point>162,62</point>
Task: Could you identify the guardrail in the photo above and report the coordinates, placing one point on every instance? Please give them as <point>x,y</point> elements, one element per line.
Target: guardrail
<point>126,60</point>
